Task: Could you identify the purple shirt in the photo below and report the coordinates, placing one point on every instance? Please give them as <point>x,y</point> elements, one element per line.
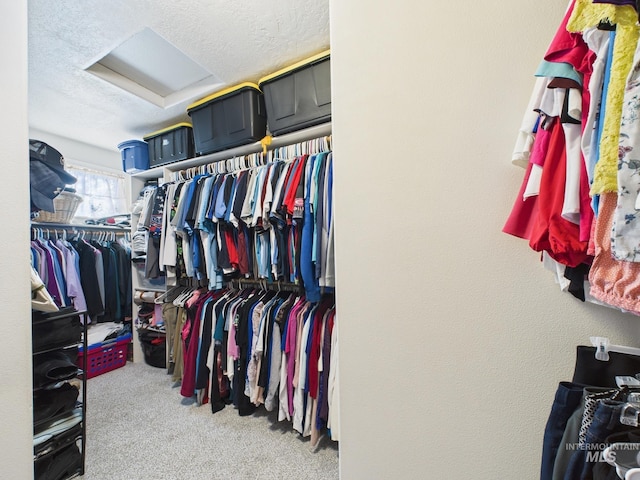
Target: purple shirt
<point>51,283</point>
<point>74,286</point>
<point>290,349</point>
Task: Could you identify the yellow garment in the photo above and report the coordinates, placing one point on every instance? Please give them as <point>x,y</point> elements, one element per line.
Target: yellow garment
<point>587,15</point>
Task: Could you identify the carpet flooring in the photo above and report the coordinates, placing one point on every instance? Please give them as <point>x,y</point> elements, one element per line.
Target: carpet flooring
<point>140,427</point>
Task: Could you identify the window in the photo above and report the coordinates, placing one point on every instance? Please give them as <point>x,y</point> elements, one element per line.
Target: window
<point>103,194</point>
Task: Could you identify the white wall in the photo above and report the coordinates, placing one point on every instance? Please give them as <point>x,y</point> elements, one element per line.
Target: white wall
<point>16,441</point>
<point>452,336</point>
<point>81,154</point>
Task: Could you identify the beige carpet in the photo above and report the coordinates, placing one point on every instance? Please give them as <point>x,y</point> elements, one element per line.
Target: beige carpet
<point>140,427</point>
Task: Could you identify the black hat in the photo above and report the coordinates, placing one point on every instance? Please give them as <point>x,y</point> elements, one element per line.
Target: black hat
<point>51,157</point>
<point>45,186</point>
<point>47,175</point>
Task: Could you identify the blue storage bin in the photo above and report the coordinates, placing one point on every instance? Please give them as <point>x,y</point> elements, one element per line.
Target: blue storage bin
<point>135,156</point>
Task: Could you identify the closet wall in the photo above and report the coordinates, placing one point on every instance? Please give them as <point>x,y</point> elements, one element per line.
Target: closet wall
<point>16,447</point>
<point>452,337</point>
<point>82,154</point>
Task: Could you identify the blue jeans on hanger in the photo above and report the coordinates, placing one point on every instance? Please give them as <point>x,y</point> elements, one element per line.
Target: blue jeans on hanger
<point>606,421</point>
<point>571,436</point>
<point>567,400</point>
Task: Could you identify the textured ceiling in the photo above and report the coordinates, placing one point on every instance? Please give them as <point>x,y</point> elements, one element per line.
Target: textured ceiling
<point>237,41</point>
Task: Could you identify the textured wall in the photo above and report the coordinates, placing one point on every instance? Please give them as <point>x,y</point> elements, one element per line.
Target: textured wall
<point>452,336</point>
<point>236,41</point>
<point>16,441</point>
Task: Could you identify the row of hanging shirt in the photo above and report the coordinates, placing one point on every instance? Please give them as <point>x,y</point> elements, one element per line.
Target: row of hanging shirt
<point>579,141</point>
<point>92,274</point>
<point>255,347</point>
<point>270,219</point>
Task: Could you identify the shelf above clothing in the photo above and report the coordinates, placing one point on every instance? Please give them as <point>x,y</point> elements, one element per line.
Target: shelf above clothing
<point>280,141</point>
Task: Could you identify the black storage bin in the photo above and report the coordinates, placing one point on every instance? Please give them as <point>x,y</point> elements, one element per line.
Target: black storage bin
<point>56,366</point>
<point>55,329</point>
<point>298,96</point>
<point>50,403</point>
<point>229,118</point>
<point>65,463</point>
<point>170,144</point>
<point>154,347</point>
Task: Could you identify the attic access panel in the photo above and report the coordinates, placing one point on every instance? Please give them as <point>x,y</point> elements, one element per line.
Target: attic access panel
<point>153,69</point>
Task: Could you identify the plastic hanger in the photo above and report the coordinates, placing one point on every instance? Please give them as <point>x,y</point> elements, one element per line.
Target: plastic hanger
<point>609,455</point>
<point>180,300</point>
<point>170,294</point>
<point>603,347</point>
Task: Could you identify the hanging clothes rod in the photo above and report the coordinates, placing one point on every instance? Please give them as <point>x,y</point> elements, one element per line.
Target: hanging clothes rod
<point>280,141</point>
<point>256,159</point>
<point>68,226</point>
<point>240,283</point>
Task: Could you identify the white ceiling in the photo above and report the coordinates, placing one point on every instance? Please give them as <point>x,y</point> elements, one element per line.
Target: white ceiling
<point>237,41</point>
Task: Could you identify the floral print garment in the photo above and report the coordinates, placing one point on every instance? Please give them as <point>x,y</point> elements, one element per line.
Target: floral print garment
<point>625,232</point>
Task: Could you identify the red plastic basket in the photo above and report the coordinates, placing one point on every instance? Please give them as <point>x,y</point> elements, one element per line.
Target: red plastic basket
<point>105,357</point>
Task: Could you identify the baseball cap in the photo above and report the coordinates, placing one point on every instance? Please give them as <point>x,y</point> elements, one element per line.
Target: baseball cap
<point>52,158</point>
<point>47,175</point>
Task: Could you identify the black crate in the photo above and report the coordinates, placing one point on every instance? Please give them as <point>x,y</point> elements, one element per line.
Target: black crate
<point>170,144</point>
<point>154,349</point>
<point>298,96</point>
<point>55,329</point>
<point>235,116</point>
